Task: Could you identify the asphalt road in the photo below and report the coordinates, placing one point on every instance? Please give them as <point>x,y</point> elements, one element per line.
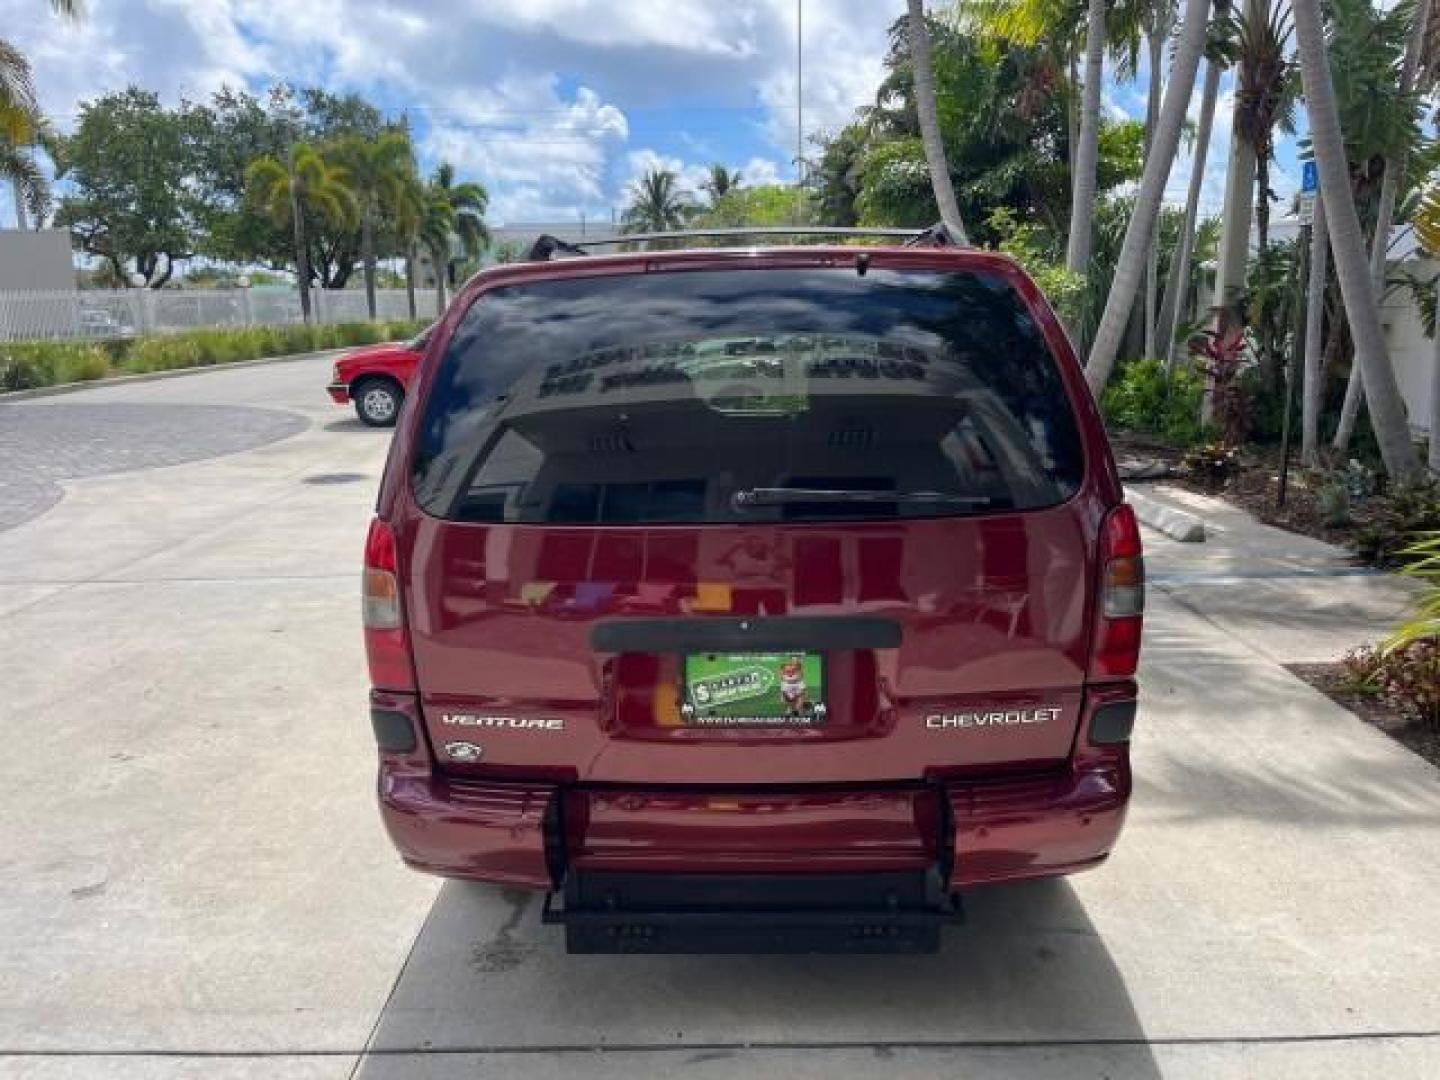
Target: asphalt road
<point>194,881</point>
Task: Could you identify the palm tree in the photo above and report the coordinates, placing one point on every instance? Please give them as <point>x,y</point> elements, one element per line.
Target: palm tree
<point>924,76</point>
<point>1158,20</point>
<point>21,125</point>
<point>1087,153</point>
<point>1239,195</point>
<point>656,203</point>
<point>304,184</point>
<point>1219,51</point>
<point>1347,244</point>
<point>1395,162</point>
<point>1168,322</point>
<point>409,210</point>
<point>722,181</point>
<point>379,170</point>
<point>1266,98</point>
<point>1131,265</point>
<point>437,223</point>
<point>469,200</point>
<point>1313,380</point>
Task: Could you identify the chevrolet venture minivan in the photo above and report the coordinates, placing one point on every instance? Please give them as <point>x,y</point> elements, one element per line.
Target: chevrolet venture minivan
<point>761,599</point>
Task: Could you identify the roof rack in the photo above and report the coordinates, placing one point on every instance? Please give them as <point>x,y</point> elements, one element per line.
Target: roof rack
<point>547,247</point>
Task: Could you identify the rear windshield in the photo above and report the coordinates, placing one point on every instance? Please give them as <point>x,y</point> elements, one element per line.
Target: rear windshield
<point>744,396</point>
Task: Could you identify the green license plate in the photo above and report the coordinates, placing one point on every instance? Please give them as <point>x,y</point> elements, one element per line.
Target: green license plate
<point>780,689</point>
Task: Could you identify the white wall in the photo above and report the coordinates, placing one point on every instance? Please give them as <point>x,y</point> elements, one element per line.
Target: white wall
<point>1411,352</point>
<point>31,260</point>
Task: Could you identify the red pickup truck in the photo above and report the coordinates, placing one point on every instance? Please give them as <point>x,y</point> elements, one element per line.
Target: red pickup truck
<point>753,600</point>
<point>377,377</point>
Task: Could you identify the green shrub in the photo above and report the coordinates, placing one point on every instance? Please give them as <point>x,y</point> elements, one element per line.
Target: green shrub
<point>163,353</point>
<point>362,333</point>
<point>1147,398</point>
<point>28,365</point>
<point>1212,464</point>
<point>403,329</point>
<point>1422,562</point>
<point>1398,520</point>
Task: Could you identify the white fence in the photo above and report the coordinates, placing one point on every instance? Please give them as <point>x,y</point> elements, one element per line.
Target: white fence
<point>97,314</point>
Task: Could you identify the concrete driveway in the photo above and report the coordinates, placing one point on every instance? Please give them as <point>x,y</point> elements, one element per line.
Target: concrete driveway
<point>193,879</point>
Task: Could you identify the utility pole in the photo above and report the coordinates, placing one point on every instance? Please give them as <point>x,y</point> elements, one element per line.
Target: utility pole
<point>799,111</point>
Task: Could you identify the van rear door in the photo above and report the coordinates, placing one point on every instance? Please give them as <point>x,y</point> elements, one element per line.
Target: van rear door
<point>746,525</point>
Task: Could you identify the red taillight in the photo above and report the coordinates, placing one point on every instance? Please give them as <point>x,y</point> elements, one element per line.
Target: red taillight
<point>1120,607</point>
<point>386,645</point>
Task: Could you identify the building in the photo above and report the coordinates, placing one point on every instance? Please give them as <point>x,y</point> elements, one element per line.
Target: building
<point>35,260</point>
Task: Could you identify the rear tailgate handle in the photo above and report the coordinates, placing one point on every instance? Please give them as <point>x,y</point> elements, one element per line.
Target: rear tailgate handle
<point>731,634</point>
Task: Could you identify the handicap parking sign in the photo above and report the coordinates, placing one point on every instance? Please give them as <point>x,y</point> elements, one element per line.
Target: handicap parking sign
<point>1309,177</point>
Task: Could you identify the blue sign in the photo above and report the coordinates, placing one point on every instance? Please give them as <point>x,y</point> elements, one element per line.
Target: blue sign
<point>1309,177</point>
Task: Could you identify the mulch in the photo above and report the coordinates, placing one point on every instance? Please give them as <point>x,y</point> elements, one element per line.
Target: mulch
<point>1255,488</point>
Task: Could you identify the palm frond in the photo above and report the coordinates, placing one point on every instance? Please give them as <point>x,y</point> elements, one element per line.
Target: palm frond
<point>1423,564</point>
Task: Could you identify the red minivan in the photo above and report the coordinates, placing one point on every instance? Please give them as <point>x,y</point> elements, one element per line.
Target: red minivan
<point>753,599</point>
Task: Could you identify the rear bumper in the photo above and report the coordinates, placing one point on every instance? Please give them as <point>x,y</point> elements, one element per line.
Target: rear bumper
<point>339,392</point>
<point>531,834</point>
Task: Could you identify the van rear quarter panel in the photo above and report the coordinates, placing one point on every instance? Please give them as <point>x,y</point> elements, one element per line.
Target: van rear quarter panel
<point>995,609</point>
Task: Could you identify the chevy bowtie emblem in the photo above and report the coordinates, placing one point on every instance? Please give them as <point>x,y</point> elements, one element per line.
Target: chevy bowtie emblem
<point>463,751</point>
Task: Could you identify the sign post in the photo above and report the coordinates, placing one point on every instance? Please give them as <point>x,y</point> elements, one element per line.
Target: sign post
<point>1309,191</point>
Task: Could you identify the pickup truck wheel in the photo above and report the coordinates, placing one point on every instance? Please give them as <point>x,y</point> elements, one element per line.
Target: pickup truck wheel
<point>377,402</point>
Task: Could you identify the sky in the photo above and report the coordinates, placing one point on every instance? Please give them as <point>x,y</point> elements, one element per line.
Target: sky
<point>555,105</point>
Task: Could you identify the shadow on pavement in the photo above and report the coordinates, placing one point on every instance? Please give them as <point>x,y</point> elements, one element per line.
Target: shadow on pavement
<point>1234,732</point>
<point>353,425</point>
<point>488,990</point>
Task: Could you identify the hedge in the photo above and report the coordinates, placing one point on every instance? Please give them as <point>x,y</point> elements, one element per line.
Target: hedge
<point>26,365</point>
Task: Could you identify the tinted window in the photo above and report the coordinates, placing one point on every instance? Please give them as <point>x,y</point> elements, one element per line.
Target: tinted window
<point>768,394</point>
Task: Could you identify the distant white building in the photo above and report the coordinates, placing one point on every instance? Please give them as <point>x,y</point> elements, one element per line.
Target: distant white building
<point>1412,354</point>
<point>34,260</point>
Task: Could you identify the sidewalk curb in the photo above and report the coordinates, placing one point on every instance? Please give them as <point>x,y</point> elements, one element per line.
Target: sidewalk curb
<point>155,376</point>
<point>1177,524</point>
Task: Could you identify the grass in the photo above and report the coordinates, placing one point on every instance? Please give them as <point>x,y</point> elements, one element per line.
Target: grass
<point>27,365</point>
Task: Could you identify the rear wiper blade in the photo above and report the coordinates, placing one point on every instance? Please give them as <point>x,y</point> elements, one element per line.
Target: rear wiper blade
<point>779,496</point>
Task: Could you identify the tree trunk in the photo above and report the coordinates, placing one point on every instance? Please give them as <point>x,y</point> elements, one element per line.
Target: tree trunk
<point>1262,202</point>
<point>1179,278</point>
<point>1384,219</point>
<point>367,256</point>
<point>1270,369</point>
<point>1314,375</point>
<point>1239,185</point>
<point>930,122</point>
<point>17,192</point>
<point>159,280</point>
<point>1082,181</point>
<point>1072,110</point>
<point>1347,245</point>
<point>1131,265</point>
<point>439,263</point>
<point>302,264</point>
<point>1156,43</point>
<point>410,278</point>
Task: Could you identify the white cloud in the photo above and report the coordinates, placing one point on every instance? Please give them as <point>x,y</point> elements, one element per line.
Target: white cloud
<point>542,156</point>
<point>537,98</point>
